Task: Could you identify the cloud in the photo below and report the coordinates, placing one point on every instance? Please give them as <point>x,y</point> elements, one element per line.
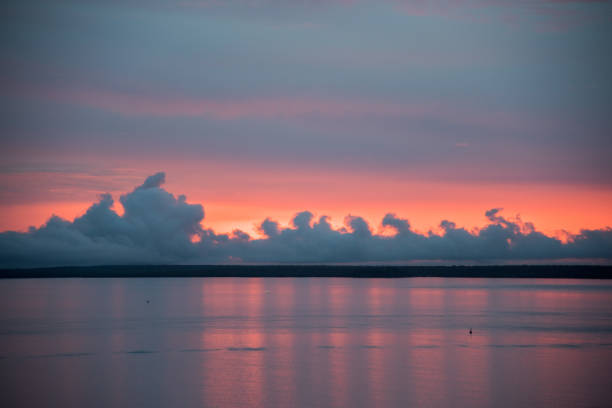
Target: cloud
<point>561,13</point>
<point>135,105</point>
<point>158,227</point>
<point>156,180</point>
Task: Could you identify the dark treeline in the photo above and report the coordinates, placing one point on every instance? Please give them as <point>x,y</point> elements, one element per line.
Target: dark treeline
<point>344,271</point>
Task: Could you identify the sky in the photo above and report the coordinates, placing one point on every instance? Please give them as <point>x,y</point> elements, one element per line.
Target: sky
<point>482,113</point>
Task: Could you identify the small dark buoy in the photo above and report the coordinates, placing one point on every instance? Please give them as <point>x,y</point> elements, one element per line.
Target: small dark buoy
<point>148,302</point>
<point>470,330</point>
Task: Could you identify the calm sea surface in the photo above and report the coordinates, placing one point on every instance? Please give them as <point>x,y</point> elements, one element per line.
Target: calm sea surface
<point>283,342</point>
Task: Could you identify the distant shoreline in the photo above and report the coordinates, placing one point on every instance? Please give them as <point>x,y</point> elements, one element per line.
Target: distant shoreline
<point>314,271</point>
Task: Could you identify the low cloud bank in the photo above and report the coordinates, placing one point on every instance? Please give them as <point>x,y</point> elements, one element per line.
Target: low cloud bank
<point>160,228</point>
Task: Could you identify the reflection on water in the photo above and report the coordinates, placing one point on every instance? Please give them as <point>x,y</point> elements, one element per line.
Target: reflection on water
<point>305,342</point>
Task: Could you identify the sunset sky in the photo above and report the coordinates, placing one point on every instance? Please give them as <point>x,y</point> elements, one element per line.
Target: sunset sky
<point>431,110</point>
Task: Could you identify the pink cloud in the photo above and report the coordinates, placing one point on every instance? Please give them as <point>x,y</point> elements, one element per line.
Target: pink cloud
<point>133,105</point>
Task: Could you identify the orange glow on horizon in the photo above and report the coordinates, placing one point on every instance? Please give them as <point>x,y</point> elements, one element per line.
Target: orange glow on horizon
<point>242,199</point>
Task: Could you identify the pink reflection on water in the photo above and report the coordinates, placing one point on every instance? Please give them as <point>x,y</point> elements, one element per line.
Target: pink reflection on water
<point>447,365</point>
<point>253,302</point>
<point>262,362</point>
<point>338,340</point>
<point>338,368</point>
<point>378,376</point>
<point>317,342</point>
<point>472,362</point>
<point>379,346</point>
<point>117,342</point>
<point>425,360</point>
<point>282,292</point>
<point>426,298</point>
<point>231,374</point>
<point>467,299</point>
<point>237,377</point>
<point>281,384</point>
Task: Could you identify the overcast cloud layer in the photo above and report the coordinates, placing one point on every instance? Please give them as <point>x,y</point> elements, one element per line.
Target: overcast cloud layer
<point>469,90</point>
<point>158,227</point>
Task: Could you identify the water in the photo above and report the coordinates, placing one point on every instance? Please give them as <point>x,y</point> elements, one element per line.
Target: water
<point>225,342</point>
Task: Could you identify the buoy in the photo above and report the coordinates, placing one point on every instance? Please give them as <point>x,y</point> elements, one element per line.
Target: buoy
<point>470,330</point>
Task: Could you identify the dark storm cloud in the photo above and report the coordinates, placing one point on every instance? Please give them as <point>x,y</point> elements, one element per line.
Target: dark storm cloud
<point>157,227</point>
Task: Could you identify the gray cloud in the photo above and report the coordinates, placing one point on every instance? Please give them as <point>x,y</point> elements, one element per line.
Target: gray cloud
<point>158,227</point>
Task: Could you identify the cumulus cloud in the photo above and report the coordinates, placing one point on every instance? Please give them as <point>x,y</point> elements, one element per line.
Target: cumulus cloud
<point>159,228</point>
<point>156,227</point>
